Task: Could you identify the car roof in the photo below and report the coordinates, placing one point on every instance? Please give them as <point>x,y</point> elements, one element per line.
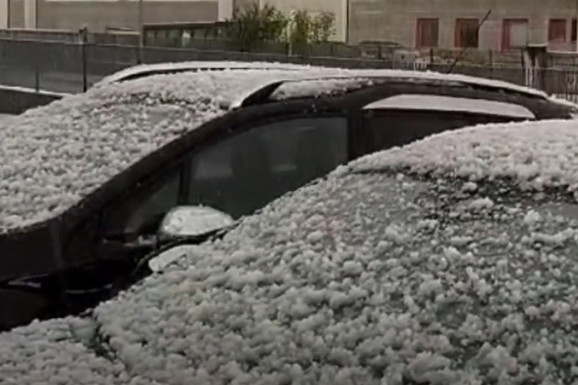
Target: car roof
<point>383,73</point>
<point>54,156</point>
<point>174,67</point>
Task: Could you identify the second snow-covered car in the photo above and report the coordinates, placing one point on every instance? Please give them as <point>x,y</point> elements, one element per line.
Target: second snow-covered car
<point>450,261</point>
<point>86,181</point>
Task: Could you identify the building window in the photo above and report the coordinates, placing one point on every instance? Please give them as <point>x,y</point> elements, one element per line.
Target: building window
<point>467,33</point>
<point>514,33</point>
<point>557,30</point>
<point>573,31</point>
<point>427,33</point>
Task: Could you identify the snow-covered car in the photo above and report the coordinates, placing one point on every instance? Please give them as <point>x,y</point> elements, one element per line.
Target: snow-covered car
<point>86,182</point>
<point>452,260</point>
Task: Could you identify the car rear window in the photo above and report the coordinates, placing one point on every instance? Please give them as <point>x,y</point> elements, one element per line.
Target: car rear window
<point>389,128</point>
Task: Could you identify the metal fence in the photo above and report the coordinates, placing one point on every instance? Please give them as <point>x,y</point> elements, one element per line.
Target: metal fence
<point>74,66</point>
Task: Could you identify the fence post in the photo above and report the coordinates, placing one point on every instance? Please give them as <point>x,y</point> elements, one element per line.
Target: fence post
<point>491,62</point>
<point>36,76</point>
<point>83,43</point>
<point>537,58</point>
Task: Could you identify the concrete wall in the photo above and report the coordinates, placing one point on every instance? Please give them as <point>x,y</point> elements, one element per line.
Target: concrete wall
<point>396,19</point>
<point>17,100</point>
<point>99,15</point>
<point>11,13</point>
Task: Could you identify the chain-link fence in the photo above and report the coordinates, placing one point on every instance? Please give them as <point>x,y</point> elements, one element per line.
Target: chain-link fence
<point>74,66</point>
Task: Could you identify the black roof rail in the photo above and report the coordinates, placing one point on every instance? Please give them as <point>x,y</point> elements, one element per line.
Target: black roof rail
<point>262,94</point>
<point>168,71</point>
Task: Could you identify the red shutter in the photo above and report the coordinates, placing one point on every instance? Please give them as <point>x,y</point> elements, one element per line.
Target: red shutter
<point>466,33</point>
<point>427,33</point>
<point>508,27</point>
<point>557,30</point>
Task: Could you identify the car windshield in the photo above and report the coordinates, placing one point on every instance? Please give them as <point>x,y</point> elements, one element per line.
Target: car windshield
<point>364,278</point>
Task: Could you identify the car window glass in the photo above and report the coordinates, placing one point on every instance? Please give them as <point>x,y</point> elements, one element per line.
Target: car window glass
<point>397,128</point>
<point>142,210</point>
<point>248,170</point>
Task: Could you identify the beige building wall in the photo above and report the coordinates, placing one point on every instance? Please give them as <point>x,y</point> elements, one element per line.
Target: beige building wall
<point>11,13</point>
<point>395,20</point>
<point>100,15</point>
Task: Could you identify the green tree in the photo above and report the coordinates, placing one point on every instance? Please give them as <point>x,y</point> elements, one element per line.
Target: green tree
<point>323,27</point>
<point>253,25</point>
<point>306,29</point>
<point>300,32</point>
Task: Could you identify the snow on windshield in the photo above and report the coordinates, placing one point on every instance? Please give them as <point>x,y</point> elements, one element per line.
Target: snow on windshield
<point>57,352</point>
<point>537,155</point>
<point>5,116</point>
<point>365,279</point>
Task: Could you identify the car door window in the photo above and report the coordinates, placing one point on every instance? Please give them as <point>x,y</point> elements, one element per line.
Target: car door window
<point>250,169</point>
<point>389,128</point>
<point>142,209</point>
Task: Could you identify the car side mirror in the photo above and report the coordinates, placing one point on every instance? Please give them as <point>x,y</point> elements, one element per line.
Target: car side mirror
<point>192,221</point>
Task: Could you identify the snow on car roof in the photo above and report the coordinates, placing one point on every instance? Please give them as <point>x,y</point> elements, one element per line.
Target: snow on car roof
<point>425,75</point>
<point>192,65</point>
<point>538,154</point>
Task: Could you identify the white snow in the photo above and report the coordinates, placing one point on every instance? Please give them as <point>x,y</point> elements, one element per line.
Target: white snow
<point>32,91</point>
<point>56,352</point>
<point>535,154</point>
<point>145,69</point>
<point>319,87</point>
<point>339,284</point>
<point>425,75</point>
<point>453,104</point>
<point>481,204</point>
<point>532,218</point>
<point>194,220</point>
<point>165,258</point>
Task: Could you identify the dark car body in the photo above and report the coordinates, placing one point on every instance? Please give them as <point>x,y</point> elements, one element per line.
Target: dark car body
<point>274,142</point>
